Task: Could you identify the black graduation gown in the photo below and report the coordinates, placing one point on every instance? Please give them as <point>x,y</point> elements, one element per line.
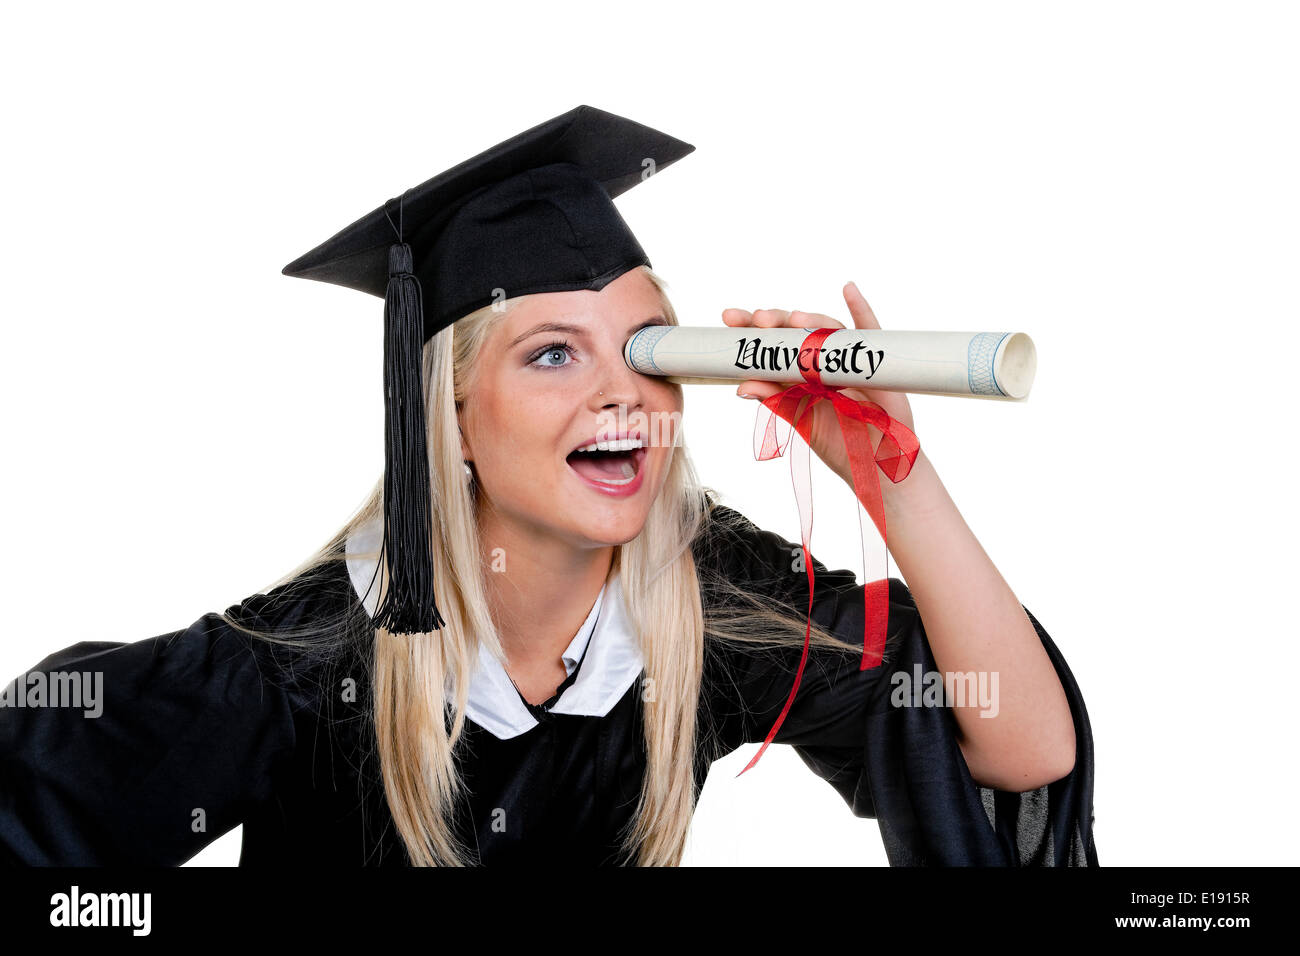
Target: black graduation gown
<point>205,728</point>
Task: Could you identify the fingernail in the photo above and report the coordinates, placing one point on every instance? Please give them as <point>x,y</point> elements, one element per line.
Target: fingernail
<point>746,395</point>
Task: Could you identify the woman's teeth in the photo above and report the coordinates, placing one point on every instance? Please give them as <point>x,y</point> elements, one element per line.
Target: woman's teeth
<point>628,474</point>
<point>618,444</point>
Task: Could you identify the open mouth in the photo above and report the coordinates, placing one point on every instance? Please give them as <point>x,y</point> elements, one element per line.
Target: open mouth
<point>616,464</point>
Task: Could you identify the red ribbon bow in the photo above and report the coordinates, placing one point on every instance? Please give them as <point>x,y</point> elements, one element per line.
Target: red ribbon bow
<point>895,456</point>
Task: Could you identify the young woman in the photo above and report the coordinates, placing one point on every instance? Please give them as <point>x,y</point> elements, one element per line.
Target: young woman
<point>606,631</point>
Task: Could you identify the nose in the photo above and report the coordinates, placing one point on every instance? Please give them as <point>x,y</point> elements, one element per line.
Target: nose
<point>618,385</point>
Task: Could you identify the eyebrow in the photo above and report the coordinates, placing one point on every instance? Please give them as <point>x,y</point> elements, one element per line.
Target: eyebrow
<point>574,330</point>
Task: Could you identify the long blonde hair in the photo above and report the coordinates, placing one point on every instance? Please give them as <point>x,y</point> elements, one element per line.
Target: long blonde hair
<point>417,725</point>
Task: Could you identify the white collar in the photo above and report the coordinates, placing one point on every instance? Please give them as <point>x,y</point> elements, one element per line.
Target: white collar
<point>573,653</point>
<point>613,662</point>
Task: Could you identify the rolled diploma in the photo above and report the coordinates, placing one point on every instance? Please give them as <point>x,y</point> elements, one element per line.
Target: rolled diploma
<point>997,365</point>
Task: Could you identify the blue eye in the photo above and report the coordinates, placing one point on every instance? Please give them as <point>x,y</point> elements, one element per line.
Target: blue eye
<point>553,348</point>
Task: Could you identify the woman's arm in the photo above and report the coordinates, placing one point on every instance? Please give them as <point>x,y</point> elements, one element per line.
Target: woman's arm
<point>975,623</point>
<point>891,755</point>
<point>178,748</point>
<point>973,620</point>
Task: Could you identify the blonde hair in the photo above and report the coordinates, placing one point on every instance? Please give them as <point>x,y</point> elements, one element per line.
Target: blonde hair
<point>416,725</point>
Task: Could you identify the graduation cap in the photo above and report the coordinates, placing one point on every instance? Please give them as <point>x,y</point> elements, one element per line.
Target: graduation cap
<point>534,213</point>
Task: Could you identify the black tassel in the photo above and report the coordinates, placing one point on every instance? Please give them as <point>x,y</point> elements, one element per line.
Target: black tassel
<point>408,606</point>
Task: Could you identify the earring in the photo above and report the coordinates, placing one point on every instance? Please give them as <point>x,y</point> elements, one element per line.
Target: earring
<point>469,472</point>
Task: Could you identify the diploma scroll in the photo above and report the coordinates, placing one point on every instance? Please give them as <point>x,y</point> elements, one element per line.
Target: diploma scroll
<point>997,365</point>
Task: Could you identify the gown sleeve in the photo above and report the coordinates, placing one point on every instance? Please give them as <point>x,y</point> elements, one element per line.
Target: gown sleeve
<point>185,743</point>
<point>898,764</point>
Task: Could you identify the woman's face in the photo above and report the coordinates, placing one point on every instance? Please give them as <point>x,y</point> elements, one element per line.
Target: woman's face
<point>551,379</point>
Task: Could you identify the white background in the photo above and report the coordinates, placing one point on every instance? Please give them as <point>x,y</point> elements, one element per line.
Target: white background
<point>182,424</point>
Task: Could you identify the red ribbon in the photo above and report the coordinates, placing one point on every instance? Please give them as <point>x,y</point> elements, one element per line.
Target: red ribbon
<point>895,456</point>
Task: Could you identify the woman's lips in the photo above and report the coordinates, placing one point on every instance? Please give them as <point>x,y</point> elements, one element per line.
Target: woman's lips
<point>616,487</point>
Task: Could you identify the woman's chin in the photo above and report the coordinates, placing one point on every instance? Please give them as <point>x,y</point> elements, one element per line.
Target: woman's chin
<point>611,529</point>
<point>605,523</point>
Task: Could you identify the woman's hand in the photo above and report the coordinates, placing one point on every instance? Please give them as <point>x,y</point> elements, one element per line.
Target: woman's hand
<point>826,439</point>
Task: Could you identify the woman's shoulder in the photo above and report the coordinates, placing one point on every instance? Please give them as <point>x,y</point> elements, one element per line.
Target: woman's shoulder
<point>729,543</point>
<point>731,548</point>
<point>280,640</point>
<point>304,626</point>
<point>309,599</point>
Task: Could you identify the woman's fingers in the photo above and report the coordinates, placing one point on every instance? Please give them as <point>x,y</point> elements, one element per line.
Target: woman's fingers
<point>863,317</point>
<point>759,389</point>
<point>762,319</point>
<point>771,319</point>
<point>780,319</point>
<point>813,320</point>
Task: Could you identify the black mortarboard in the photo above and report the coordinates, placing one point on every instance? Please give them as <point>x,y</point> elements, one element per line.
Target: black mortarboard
<point>532,214</point>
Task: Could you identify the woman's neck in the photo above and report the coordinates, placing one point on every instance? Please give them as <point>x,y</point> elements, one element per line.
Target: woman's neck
<point>540,590</point>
